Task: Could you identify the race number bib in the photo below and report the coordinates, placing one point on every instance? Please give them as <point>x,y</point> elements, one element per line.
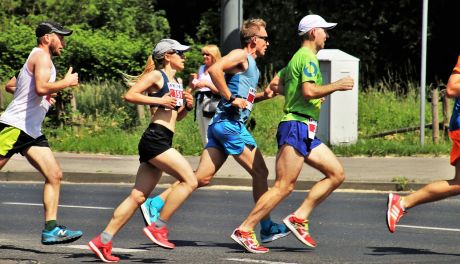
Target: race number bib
<point>176,91</point>
<point>312,127</point>
<point>251,97</point>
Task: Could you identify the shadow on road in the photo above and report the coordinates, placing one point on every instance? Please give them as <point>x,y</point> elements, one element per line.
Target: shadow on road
<point>382,251</point>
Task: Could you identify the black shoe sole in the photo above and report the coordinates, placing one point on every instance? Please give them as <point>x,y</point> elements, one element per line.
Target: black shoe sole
<point>70,240</point>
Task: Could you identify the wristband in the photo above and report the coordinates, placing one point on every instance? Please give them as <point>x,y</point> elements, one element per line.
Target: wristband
<point>232,98</point>
<point>188,108</point>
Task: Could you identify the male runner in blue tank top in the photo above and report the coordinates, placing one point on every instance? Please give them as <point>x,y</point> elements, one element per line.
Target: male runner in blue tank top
<point>227,133</point>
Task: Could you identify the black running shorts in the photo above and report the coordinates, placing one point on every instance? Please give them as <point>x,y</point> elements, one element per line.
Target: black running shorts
<point>155,140</point>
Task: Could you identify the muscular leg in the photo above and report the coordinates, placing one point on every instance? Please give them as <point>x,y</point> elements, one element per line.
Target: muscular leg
<point>288,165</point>
<point>3,161</point>
<point>173,163</point>
<point>210,162</point>
<point>322,159</point>
<point>43,160</point>
<point>435,191</point>
<point>253,162</point>
<point>146,179</point>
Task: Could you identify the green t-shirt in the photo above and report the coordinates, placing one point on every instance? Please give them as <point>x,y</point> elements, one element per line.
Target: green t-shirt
<point>303,67</point>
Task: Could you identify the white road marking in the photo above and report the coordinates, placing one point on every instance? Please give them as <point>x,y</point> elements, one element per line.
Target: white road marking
<point>62,205</point>
<point>115,250</point>
<point>431,228</point>
<point>257,261</point>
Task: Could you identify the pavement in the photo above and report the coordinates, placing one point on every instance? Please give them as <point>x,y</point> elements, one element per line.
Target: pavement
<point>362,173</point>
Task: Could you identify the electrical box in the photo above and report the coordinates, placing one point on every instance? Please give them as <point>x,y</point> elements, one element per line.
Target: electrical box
<point>338,121</point>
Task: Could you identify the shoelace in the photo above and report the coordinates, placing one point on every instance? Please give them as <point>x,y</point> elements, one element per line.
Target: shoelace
<point>252,236</point>
<point>107,249</point>
<point>304,225</point>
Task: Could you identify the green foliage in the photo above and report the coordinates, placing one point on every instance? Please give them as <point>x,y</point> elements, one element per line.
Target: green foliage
<point>100,54</point>
<point>16,42</point>
<point>109,35</point>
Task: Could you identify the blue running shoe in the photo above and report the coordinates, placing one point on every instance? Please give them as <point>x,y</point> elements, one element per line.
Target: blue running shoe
<point>276,231</point>
<point>149,211</point>
<point>60,235</point>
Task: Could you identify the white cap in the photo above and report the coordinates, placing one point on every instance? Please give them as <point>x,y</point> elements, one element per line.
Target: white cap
<point>166,45</point>
<point>313,21</point>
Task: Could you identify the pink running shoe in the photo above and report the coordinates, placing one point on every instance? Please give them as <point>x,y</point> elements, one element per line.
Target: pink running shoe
<point>299,227</point>
<point>394,211</point>
<point>104,252</point>
<point>159,236</point>
<point>249,241</point>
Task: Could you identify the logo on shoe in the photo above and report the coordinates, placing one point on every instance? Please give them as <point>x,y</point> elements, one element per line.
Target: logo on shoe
<point>62,232</point>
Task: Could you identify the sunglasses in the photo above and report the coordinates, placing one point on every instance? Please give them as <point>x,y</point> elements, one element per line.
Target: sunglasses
<point>265,38</point>
<point>178,52</point>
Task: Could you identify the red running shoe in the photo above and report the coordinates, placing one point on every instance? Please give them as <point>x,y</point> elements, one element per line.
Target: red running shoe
<point>249,241</point>
<point>159,236</point>
<point>104,252</point>
<point>299,227</point>
<point>394,211</point>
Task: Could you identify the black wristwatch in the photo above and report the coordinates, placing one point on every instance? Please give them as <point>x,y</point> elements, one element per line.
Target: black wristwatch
<point>232,98</point>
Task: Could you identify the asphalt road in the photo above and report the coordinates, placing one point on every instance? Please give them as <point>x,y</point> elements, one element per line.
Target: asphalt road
<point>349,228</point>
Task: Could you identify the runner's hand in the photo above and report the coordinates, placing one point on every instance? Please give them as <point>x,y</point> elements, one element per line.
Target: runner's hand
<point>239,102</point>
<point>71,78</point>
<point>168,101</point>
<point>268,93</point>
<point>345,83</point>
<point>188,99</point>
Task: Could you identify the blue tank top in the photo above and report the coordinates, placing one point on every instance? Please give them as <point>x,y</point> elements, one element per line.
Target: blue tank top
<point>241,85</point>
<point>455,118</point>
<point>164,90</point>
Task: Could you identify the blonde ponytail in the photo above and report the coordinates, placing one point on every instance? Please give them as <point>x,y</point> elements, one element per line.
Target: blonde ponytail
<point>130,80</point>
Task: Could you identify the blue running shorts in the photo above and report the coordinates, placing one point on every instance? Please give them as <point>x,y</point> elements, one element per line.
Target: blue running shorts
<point>230,136</point>
<point>295,133</point>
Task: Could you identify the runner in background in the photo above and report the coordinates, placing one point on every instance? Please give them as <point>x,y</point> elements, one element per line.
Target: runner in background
<point>435,191</point>
<point>20,124</point>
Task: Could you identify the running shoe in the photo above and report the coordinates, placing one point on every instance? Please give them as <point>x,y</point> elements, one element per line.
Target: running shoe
<point>299,228</point>
<point>394,211</point>
<point>104,252</point>
<point>159,236</point>
<point>249,241</point>
<point>274,232</point>
<point>149,212</point>
<point>60,235</point>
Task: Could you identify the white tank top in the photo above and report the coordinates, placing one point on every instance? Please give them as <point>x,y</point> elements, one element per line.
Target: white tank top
<point>27,110</point>
<point>204,76</point>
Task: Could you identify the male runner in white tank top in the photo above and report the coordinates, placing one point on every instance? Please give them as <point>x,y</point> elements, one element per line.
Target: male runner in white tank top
<point>20,124</point>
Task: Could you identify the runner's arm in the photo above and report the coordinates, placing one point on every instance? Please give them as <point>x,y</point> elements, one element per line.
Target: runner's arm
<point>228,63</point>
<point>136,94</point>
<point>41,64</point>
<point>311,90</point>
<point>11,85</point>
<point>453,85</point>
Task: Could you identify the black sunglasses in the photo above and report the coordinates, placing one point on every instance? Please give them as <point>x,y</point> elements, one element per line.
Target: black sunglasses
<point>178,52</point>
<point>265,38</point>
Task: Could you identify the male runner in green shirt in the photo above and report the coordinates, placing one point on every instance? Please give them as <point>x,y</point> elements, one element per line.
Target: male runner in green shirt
<point>297,143</point>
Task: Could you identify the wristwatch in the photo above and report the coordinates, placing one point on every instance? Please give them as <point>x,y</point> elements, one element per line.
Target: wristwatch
<point>232,98</point>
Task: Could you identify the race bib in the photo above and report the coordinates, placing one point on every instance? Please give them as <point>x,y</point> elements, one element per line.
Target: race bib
<point>176,91</point>
<point>312,127</point>
<point>250,98</point>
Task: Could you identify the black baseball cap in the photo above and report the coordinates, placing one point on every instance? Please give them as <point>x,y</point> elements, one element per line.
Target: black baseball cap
<point>49,27</point>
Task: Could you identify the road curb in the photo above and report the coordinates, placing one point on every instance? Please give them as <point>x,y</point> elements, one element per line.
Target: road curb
<point>78,177</point>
